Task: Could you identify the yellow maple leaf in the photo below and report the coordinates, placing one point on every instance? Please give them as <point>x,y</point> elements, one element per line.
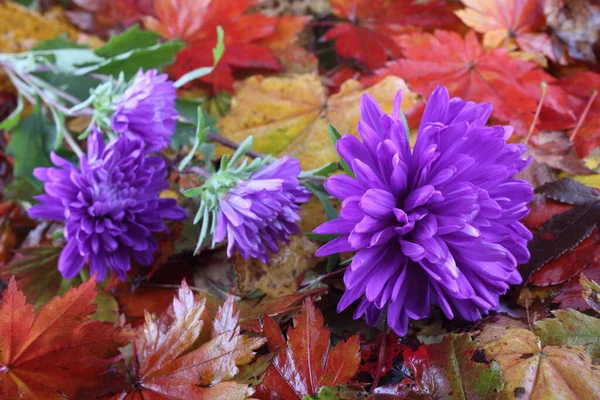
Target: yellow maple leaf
<point>288,115</point>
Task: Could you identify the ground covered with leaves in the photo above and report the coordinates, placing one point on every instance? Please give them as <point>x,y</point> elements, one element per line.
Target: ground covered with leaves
<point>179,199</point>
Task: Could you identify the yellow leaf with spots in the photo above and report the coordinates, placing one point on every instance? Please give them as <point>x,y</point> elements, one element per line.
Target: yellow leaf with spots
<point>288,115</point>
<point>278,277</point>
<point>536,373</point>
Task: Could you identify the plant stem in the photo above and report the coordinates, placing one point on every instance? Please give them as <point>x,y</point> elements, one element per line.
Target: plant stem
<point>72,143</point>
<point>213,137</point>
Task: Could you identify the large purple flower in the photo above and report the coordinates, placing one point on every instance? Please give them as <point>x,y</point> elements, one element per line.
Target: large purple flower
<point>260,211</point>
<point>438,225</point>
<point>111,206</point>
<point>146,110</point>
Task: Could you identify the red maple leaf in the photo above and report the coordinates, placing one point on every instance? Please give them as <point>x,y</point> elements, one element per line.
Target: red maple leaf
<point>248,37</point>
<point>306,362</point>
<point>367,37</point>
<point>510,85</point>
<point>56,352</point>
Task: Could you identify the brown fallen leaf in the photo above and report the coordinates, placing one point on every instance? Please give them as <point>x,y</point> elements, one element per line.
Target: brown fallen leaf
<point>575,26</point>
<point>289,115</point>
<point>536,373</point>
<point>280,276</point>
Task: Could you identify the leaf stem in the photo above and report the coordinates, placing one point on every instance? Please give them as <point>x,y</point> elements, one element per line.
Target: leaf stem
<point>584,114</point>
<point>381,355</point>
<point>544,86</point>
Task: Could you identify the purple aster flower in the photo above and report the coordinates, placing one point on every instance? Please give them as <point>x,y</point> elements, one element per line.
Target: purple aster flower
<point>146,110</point>
<point>261,210</point>
<point>438,225</point>
<point>111,206</point>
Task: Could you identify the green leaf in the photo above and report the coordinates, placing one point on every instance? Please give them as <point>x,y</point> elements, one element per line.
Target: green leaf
<point>13,119</point>
<point>193,192</point>
<point>330,211</point>
<point>335,136</point>
<point>570,328</point>
<point>333,133</point>
<point>201,132</point>
<point>325,170</point>
<point>132,61</point>
<point>339,392</point>
<point>200,72</point>
<point>131,39</point>
<point>31,143</point>
<point>59,42</point>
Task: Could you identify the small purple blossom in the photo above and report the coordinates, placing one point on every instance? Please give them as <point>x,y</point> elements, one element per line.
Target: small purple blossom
<point>260,211</point>
<point>146,110</point>
<point>110,205</point>
<point>438,225</point>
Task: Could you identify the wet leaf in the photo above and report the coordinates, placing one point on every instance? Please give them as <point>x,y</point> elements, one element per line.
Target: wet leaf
<point>534,372</point>
<point>57,350</point>
<point>305,362</point>
<point>455,369</point>
<point>570,264</point>
<point>559,234</point>
<point>173,357</point>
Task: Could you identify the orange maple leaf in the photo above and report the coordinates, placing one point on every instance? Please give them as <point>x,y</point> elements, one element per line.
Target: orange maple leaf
<point>509,23</point>
<point>249,38</point>
<point>367,37</point>
<point>174,357</point>
<point>510,85</point>
<point>57,352</point>
<point>306,363</point>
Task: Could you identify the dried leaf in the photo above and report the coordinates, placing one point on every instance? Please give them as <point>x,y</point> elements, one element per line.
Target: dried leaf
<point>575,24</point>
<point>511,86</point>
<point>508,23</point>
<point>58,350</point>
<point>570,328</point>
<point>289,115</point>
<point>591,293</point>
<point>367,38</point>
<point>249,36</point>
<point>280,276</point>
<point>532,372</point>
<point>306,362</point>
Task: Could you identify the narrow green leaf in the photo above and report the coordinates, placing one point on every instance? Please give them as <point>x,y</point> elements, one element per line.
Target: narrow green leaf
<point>13,119</point>
<point>200,72</point>
<point>201,132</point>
